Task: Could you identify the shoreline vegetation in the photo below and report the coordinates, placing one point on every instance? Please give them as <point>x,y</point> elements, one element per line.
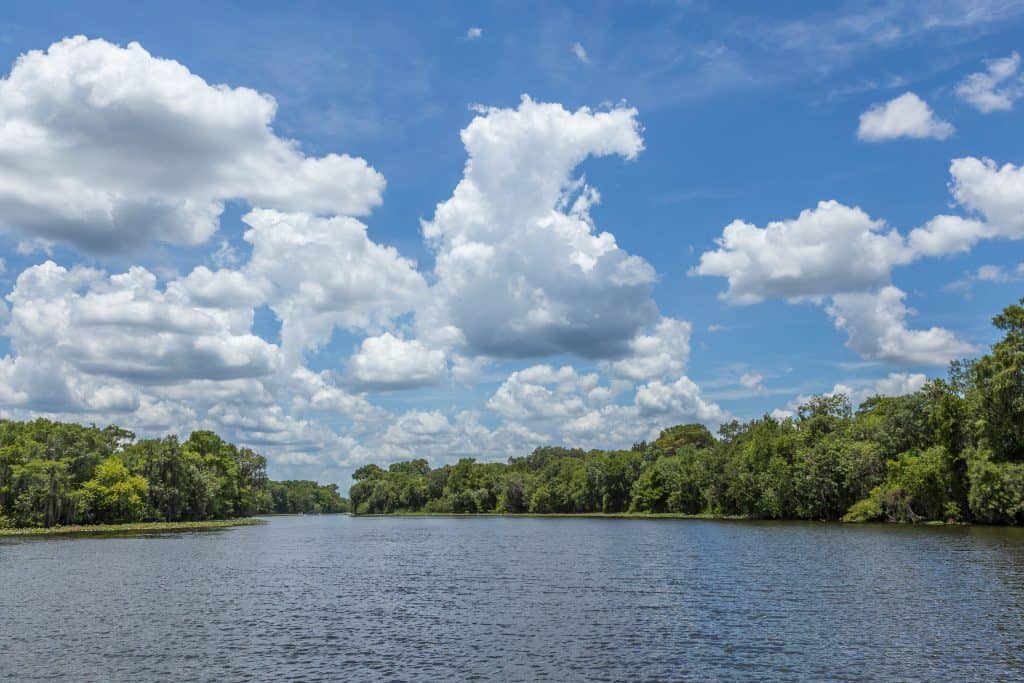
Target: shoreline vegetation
<point>66,475</point>
<point>130,528</point>
<point>950,452</point>
<point>677,516</point>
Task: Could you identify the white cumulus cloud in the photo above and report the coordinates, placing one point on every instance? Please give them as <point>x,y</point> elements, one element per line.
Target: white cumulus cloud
<point>830,248</point>
<point>323,273</point>
<point>907,116</point>
<point>521,270</point>
<point>876,324</point>
<point>123,326</point>
<point>842,258</point>
<point>387,362</point>
<point>996,88</point>
<point>106,148</point>
<point>664,350</point>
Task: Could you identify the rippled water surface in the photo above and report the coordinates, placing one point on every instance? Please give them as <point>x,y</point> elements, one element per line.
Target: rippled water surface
<point>338,598</point>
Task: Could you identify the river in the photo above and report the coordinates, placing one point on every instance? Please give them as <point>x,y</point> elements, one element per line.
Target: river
<point>493,598</point>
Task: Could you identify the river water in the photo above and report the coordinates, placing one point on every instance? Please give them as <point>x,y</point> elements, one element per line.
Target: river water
<point>492,598</point>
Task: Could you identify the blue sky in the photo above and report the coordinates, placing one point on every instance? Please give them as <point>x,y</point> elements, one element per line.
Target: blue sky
<point>715,114</point>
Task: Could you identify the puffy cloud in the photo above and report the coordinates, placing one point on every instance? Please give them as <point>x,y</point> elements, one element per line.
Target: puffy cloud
<point>993,195</point>
<point>123,326</point>
<point>270,428</point>
<point>996,88</point>
<point>752,380</point>
<point>474,32</point>
<point>139,149</point>
<point>43,383</point>
<point>322,273</point>
<point>387,362</point>
<point>419,428</point>
<point>663,351</point>
<point>319,391</point>
<point>858,391</point>
<point>520,269</point>
<point>678,401</point>
<point>148,151</point>
<point>831,248</point>
<point>995,192</point>
<point>876,324</point>
<point>157,417</point>
<point>563,405</point>
<point>441,438</point>
<point>946,235</point>
<point>898,384</point>
<point>907,116</point>
<point>107,147</point>
<point>542,392</point>
<point>219,289</point>
<point>465,369</point>
<point>839,256</point>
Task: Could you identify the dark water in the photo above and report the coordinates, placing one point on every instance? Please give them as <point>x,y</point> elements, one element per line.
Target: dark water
<point>335,598</point>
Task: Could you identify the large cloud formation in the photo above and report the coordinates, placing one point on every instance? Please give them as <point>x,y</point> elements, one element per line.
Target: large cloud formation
<point>108,147</point>
<point>104,148</point>
<point>122,326</point>
<point>521,270</point>
<point>876,323</point>
<point>992,196</point>
<point>828,249</point>
<point>323,273</point>
<point>839,256</point>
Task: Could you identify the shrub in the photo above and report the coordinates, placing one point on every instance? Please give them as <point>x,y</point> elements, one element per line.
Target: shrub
<point>865,510</point>
<point>996,493</point>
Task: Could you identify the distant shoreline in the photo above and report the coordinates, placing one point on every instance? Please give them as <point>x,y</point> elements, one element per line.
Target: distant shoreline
<point>611,515</point>
<point>133,528</point>
<point>661,515</point>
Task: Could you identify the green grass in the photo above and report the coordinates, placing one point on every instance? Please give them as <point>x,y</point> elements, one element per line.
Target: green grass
<point>134,528</point>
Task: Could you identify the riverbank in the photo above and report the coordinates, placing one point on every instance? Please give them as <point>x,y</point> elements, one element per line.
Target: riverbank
<point>135,528</point>
<point>595,515</point>
<point>652,515</point>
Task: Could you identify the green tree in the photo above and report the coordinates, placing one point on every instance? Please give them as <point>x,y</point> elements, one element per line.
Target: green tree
<point>998,388</point>
<point>114,494</point>
<point>672,439</point>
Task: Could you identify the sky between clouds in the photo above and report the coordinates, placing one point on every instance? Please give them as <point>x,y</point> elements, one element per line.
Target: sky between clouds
<point>338,246</point>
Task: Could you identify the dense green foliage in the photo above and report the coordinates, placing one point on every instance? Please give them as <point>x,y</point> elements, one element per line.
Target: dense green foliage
<point>305,497</point>
<point>53,473</point>
<point>953,450</point>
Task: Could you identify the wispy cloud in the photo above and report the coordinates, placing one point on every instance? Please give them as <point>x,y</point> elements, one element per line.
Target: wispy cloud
<point>870,85</point>
<point>830,40</point>
<point>987,273</point>
<point>581,53</point>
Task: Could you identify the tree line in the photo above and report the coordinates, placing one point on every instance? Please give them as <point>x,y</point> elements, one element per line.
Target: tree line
<point>952,451</point>
<point>54,473</point>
